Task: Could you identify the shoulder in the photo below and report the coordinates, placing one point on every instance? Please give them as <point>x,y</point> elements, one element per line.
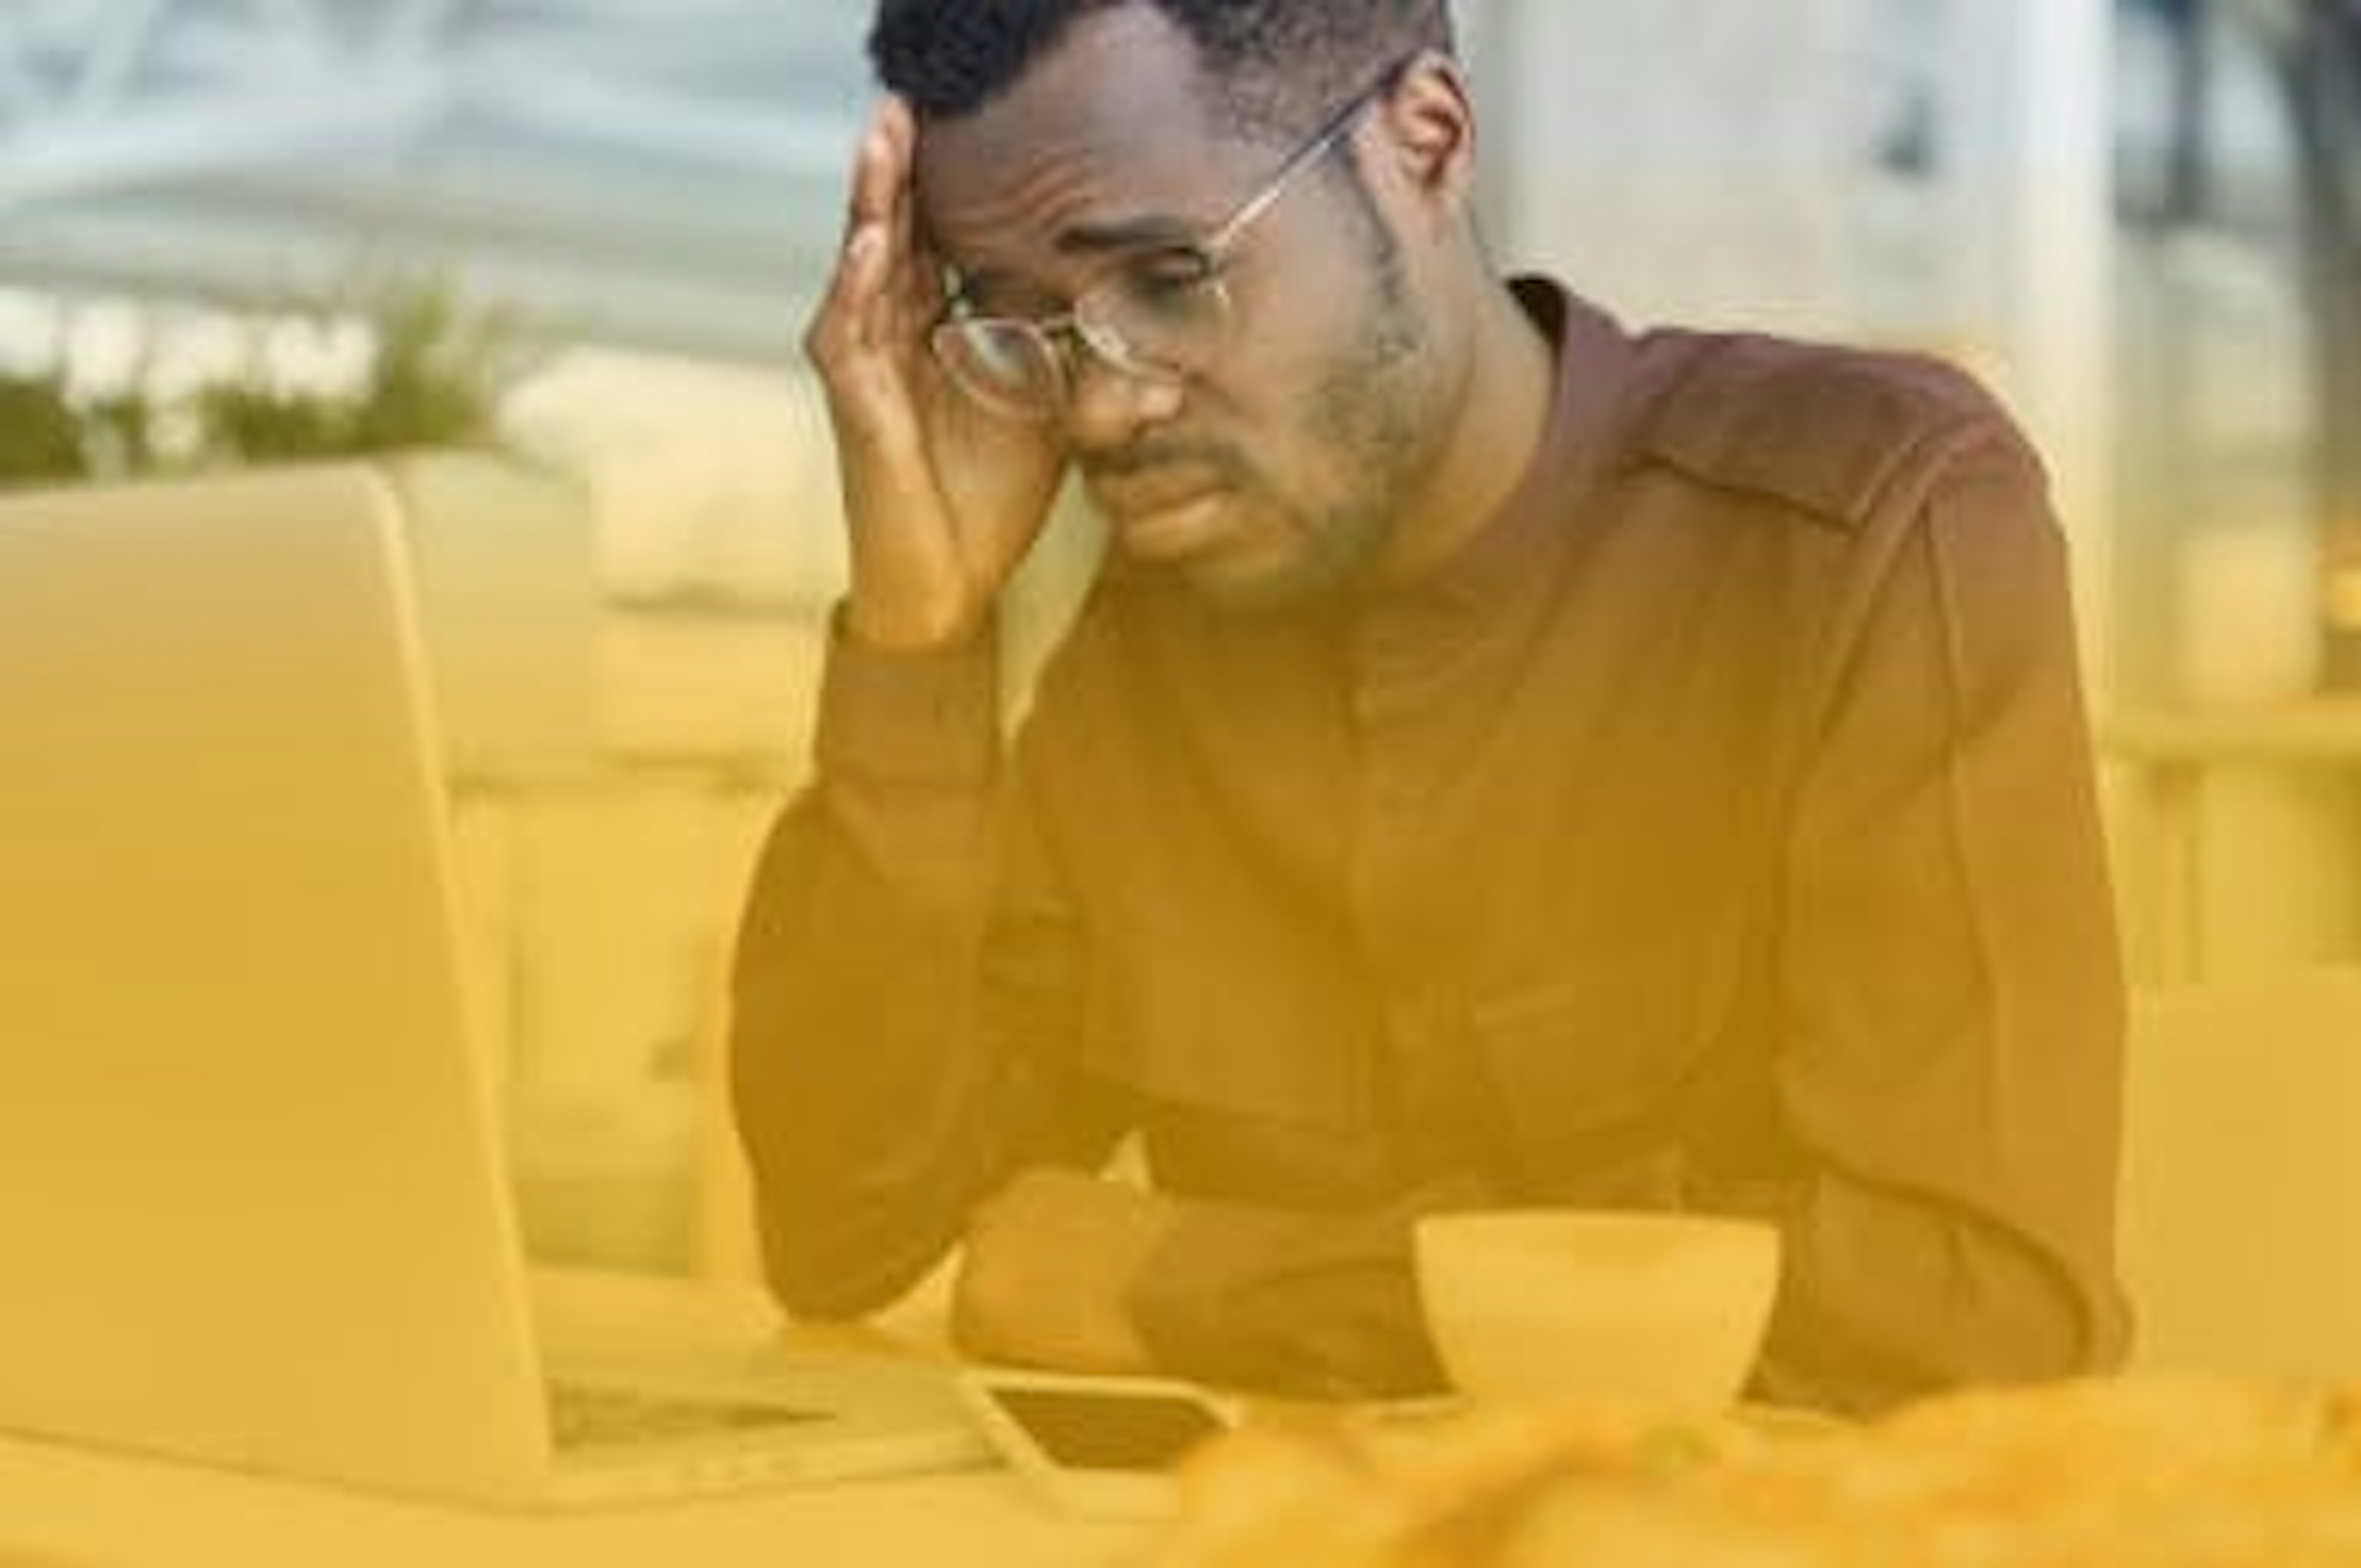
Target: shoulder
<point>1840,434</point>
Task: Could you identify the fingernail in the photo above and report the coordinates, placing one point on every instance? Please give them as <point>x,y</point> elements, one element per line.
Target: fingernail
<point>865,242</point>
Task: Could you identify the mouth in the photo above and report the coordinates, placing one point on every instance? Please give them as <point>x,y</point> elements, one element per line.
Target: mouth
<point>1160,511</point>
<point>1144,489</point>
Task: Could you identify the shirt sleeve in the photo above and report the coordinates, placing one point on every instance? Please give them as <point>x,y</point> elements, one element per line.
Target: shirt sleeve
<point>1951,998</point>
<point>904,988</point>
<point>1318,1303</point>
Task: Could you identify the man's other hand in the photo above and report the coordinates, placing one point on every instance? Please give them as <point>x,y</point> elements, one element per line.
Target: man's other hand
<point>1049,1260</point>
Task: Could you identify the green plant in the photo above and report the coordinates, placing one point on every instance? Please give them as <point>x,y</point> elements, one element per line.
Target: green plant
<point>40,429</point>
<point>437,369</point>
<point>434,371</point>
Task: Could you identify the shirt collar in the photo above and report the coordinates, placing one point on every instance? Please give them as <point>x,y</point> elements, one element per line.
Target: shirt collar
<point>1579,446</point>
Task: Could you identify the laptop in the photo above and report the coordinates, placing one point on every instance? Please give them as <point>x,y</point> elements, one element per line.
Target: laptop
<point>253,1206</point>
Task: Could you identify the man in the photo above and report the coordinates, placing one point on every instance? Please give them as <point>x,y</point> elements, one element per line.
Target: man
<point>1503,761</point>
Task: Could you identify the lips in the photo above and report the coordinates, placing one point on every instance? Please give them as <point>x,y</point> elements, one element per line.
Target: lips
<point>1134,494</point>
<point>1161,511</point>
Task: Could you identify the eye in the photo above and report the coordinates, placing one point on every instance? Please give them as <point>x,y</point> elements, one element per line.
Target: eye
<point>1182,267</point>
<point>1169,282</point>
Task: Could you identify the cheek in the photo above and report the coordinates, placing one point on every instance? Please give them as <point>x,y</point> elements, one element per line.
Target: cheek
<point>1315,366</point>
<point>1270,398</point>
<point>1288,334</point>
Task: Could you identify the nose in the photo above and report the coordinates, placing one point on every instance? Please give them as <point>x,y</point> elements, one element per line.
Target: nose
<point>1107,406</point>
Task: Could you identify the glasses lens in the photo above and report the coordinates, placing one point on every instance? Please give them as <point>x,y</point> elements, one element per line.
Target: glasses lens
<point>1009,366</point>
<point>1160,319</point>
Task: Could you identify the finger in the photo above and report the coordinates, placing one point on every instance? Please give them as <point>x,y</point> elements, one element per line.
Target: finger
<point>844,328</point>
<point>916,276</point>
<point>866,263</point>
<point>868,210</point>
<point>897,135</point>
<point>878,169</point>
<point>864,312</point>
<point>905,299</point>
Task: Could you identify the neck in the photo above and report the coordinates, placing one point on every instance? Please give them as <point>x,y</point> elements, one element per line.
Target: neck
<point>1502,412</point>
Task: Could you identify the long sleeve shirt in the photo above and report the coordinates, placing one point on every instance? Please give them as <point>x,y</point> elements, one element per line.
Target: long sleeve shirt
<point>1715,830</point>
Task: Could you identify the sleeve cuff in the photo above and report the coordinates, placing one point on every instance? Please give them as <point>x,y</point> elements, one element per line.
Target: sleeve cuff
<point>1310,1306</point>
<point>913,719</point>
<point>1178,1303</point>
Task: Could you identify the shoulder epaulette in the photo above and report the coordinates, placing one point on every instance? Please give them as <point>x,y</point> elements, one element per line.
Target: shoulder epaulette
<point>1828,430</point>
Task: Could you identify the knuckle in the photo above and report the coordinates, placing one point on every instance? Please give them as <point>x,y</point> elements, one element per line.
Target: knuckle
<point>823,337</point>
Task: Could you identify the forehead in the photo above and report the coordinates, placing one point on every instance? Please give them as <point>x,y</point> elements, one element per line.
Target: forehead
<point>1112,128</point>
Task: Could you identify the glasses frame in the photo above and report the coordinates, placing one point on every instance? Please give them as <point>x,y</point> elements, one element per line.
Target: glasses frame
<point>1059,339</point>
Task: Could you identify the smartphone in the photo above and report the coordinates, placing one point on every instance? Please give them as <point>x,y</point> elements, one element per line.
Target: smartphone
<point>1104,1447</point>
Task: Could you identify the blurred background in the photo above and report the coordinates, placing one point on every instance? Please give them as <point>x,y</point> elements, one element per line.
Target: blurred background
<point>586,233</point>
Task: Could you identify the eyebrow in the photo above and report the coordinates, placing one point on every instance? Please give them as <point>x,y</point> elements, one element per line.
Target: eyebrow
<point>1152,231</point>
<point>1132,234</point>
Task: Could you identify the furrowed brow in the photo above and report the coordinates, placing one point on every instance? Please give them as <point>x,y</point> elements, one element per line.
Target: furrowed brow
<point>1132,234</point>
<point>1128,237</point>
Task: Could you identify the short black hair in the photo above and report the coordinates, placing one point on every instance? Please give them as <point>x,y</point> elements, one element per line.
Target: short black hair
<point>1277,63</point>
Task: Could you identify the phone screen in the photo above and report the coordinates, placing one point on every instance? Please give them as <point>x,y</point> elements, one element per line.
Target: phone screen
<point>1113,1430</point>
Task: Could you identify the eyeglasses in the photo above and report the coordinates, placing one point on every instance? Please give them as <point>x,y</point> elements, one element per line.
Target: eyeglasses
<point>1162,317</point>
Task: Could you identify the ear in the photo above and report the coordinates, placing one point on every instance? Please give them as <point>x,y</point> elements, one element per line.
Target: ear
<point>1429,120</point>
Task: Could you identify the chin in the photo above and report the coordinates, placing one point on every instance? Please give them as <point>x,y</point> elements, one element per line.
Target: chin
<point>1302,567</point>
<point>1267,586</point>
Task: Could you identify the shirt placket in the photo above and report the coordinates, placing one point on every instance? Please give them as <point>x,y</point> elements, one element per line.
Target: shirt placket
<point>1430,1080</point>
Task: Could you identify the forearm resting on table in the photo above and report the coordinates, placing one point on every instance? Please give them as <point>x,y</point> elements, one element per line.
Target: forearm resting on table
<point>1885,1296</point>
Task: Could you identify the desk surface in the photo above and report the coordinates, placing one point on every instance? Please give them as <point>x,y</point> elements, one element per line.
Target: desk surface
<point>71,1508</point>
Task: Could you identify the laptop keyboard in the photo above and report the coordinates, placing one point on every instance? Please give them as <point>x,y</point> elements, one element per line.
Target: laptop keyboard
<point>582,1417</point>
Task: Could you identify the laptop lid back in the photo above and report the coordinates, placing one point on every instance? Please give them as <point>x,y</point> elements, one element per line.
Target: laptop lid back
<point>252,1208</point>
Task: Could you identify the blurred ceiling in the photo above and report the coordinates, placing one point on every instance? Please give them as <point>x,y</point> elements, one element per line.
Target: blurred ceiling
<point>665,172</point>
